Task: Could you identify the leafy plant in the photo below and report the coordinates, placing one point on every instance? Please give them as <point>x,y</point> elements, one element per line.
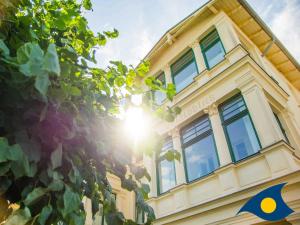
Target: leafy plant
<point>59,129</point>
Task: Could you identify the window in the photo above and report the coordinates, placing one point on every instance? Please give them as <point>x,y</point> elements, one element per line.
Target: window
<point>281,128</point>
<point>212,49</point>
<point>199,149</point>
<point>240,132</point>
<point>184,70</point>
<point>166,169</point>
<point>159,96</point>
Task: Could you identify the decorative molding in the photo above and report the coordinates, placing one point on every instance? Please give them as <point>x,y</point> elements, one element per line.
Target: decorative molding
<point>195,44</point>
<point>170,39</point>
<point>244,81</point>
<point>212,110</point>
<point>174,133</point>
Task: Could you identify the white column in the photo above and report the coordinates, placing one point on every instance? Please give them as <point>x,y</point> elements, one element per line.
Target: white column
<point>227,34</point>
<point>179,165</point>
<point>168,75</point>
<point>219,135</point>
<point>198,56</point>
<point>260,111</point>
<point>150,165</point>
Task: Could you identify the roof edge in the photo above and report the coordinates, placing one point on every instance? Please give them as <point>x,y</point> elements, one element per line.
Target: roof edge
<point>265,27</point>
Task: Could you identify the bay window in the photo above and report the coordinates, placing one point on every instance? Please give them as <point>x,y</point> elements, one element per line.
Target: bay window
<point>240,132</point>
<point>199,149</point>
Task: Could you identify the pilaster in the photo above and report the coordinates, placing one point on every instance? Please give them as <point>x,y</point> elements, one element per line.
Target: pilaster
<point>220,139</point>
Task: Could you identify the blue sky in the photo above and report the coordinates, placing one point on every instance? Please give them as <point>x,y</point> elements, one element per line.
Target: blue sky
<point>142,22</point>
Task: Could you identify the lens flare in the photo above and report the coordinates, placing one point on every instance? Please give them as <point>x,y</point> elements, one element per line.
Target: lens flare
<point>136,123</point>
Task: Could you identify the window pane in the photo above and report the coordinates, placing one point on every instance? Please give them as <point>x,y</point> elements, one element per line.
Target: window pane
<point>168,145</point>
<point>167,178</point>
<point>195,129</point>
<point>214,54</point>
<point>233,108</point>
<point>201,158</point>
<point>242,138</point>
<point>159,96</point>
<point>281,128</point>
<point>185,76</point>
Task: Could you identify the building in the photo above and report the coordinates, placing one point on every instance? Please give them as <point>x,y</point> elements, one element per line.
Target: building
<point>239,129</point>
<point>125,202</point>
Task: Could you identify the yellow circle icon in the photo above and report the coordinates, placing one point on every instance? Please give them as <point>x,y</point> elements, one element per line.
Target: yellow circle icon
<point>268,205</point>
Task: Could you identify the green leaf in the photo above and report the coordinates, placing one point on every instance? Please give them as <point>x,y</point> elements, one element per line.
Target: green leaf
<point>87,4</point>
<point>5,183</point>
<point>46,212</point>
<point>76,219</point>
<point>119,81</point>
<point>42,83</point>
<point>4,168</point>
<point>112,34</point>
<point>34,196</point>
<point>56,157</point>
<point>19,217</point>
<point>3,150</point>
<point>115,218</point>
<point>51,62</point>
<point>171,91</point>
<point>3,48</point>
<point>75,91</point>
<point>30,57</point>
<point>172,155</point>
<point>71,201</point>
<point>56,185</point>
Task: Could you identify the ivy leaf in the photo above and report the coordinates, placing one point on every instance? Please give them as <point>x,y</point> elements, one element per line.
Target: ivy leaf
<point>112,34</point>
<point>56,157</point>
<point>87,4</point>
<point>76,219</point>
<point>119,81</point>
<point>3,48</point>
<point>34,196</point>
<point>51,62</point>
<point>4,168</point>
<point>171,91</point>
<point>46,212</point>
<point>75,91</point>
<point>115,218</point>
<point>3,150</point>
<point>71,201</point>
<point>30,57</point>
<point>19,217</point>
<point>4,184</point>
<point>171,155</point>
<point>42,83</point>
<point>56,185</point>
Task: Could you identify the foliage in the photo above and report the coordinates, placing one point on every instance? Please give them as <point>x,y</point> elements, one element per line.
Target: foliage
<point>59,129</point>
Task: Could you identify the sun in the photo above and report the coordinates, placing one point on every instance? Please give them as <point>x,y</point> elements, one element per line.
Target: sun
<point>136,123</point>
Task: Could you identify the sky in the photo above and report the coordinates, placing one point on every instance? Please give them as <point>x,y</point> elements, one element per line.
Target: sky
<point>141,23</point>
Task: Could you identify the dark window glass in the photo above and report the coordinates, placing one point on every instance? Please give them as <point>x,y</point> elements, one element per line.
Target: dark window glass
<point>159,96</point>
<point>166,169</point>
<point>184,70</point>
<point>281,128</point>
<point>199,149</point>
<point>212,49</point>
<point>239,129</point>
